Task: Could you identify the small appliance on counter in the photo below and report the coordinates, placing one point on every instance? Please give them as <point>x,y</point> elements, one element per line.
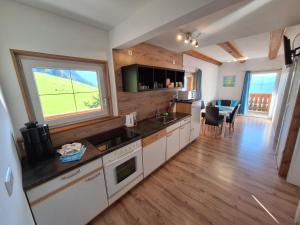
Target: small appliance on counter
<point>186,95</point>
<point>37,142</point>
<point>131,120</point>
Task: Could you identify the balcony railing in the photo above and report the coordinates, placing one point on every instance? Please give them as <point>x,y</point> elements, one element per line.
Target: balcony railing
<point>260,102</point>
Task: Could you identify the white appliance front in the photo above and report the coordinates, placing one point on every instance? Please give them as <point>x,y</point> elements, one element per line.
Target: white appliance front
<point>122,171</point>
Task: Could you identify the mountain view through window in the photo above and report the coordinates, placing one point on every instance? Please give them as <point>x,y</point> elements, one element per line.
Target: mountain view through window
<point>67,91</point>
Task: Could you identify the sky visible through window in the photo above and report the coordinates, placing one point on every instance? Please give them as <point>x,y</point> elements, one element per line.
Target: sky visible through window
<point>262,83</point>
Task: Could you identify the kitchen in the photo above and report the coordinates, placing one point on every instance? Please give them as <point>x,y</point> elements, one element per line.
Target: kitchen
<point>112,143</point>
<point>108,163</point>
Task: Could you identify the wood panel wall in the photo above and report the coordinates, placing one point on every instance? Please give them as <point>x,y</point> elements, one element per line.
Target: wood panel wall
<point>71,135</point>
<point>144,103</point>
<point>291,140</point>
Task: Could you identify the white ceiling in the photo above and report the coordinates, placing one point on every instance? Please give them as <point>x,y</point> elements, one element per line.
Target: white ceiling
<point>236,23</point>
<point>256,46</point>
<point>104,14</point>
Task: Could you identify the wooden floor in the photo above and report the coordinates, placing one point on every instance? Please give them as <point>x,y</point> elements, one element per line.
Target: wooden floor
<point>213,181</point>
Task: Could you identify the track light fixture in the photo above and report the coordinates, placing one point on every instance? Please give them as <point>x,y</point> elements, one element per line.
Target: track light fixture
<point>188,38</point>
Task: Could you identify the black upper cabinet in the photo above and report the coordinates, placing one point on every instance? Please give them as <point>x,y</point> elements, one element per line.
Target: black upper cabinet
<point>136,78</point>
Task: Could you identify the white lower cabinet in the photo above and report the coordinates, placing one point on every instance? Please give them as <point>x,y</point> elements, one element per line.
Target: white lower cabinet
<point>154,155</point>
<point>173,144</point>
<point>185,132</point>
<point>195,131</point>
<point>75,203</point>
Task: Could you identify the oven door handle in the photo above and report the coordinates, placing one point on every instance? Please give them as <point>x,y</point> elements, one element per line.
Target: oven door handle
<point>123,157</point>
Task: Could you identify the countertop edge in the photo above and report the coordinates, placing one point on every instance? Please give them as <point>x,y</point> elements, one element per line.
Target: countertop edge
<point>42,181</point>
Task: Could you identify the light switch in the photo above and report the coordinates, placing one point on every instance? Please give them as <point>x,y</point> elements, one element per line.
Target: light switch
<point>9,181</point>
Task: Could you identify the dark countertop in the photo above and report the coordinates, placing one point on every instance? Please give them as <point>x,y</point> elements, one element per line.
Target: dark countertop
<point>151,126</point>
<point>34,175</point>
<point>190,101</point>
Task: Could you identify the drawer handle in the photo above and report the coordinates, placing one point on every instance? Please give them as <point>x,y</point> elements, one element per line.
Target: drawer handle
<point>93,177</point>
<point>71,175</point>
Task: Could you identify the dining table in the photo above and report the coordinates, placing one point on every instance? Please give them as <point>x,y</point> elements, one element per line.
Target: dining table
<point>224,111</point>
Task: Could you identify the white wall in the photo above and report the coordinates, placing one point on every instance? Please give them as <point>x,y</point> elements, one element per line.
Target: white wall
<point>239,69</point>
<point>209,75</point>
<point>26,28</point>
<point>281,101</point>
<point>14,209</point>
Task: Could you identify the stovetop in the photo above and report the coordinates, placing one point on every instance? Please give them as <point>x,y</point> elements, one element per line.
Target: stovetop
<point>112,139</point>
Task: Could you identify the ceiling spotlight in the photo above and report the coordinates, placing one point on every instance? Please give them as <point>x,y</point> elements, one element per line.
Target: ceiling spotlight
<point>179,37</point>
<point>194,42</point>
<point>187,38</point>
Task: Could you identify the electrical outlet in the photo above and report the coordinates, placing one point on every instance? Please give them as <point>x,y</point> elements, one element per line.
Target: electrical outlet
<point>130,52</point>
<point>173,61</point>
<point>9,181</point>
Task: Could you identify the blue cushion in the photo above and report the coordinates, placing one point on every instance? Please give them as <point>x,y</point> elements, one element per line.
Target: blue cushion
<point>234,103</point>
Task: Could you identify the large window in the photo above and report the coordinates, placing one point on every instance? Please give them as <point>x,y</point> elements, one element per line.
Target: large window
<point>64,91</point>
<point>263,82</point>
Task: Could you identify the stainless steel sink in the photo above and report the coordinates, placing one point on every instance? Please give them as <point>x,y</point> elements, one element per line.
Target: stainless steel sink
<point>166,119</point>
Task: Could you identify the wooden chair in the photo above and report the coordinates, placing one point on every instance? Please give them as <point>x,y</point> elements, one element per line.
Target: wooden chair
<point>213,118</point>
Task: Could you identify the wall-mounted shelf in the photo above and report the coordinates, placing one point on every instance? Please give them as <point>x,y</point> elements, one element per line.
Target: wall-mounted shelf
<point>138,78</point>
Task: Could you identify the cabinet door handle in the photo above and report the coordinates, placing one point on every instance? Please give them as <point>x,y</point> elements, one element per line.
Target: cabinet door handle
<point>169,135</point>
<point>71,175</point>
<point>93,177</point>
<point>182,128</point>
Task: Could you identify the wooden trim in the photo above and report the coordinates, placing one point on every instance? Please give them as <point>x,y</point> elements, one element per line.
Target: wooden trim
<point>108,89</point>
<point>66,115</point>
<point>275,42</point>
<point>21,81</point>
<point>232,50</point>
<point>203,57</point>
<point>63,128</point>
<point>183,107</point>
<point>15,53</point>
<point>48,195</point>
<point>154,137</point>
<point>171,132</point>
<point>291,140</point>
<point>18,52</point>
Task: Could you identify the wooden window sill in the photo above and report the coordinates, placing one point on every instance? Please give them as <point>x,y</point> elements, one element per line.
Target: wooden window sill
<point>63,128</point>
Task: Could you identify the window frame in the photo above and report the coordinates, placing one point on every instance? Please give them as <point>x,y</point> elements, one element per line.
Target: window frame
<point>34,111</point>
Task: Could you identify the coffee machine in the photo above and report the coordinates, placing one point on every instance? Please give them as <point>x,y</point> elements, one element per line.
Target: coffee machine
<point>37,142</point>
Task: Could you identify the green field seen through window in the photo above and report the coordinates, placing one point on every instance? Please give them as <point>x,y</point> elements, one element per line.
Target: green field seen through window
<point>67,91</point>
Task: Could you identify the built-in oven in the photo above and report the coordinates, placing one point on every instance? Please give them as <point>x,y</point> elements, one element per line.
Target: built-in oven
<point>122,166</point>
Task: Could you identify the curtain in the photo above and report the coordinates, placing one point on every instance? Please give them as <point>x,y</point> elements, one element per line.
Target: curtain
<point>245,93</point>
<point>199,84</point>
